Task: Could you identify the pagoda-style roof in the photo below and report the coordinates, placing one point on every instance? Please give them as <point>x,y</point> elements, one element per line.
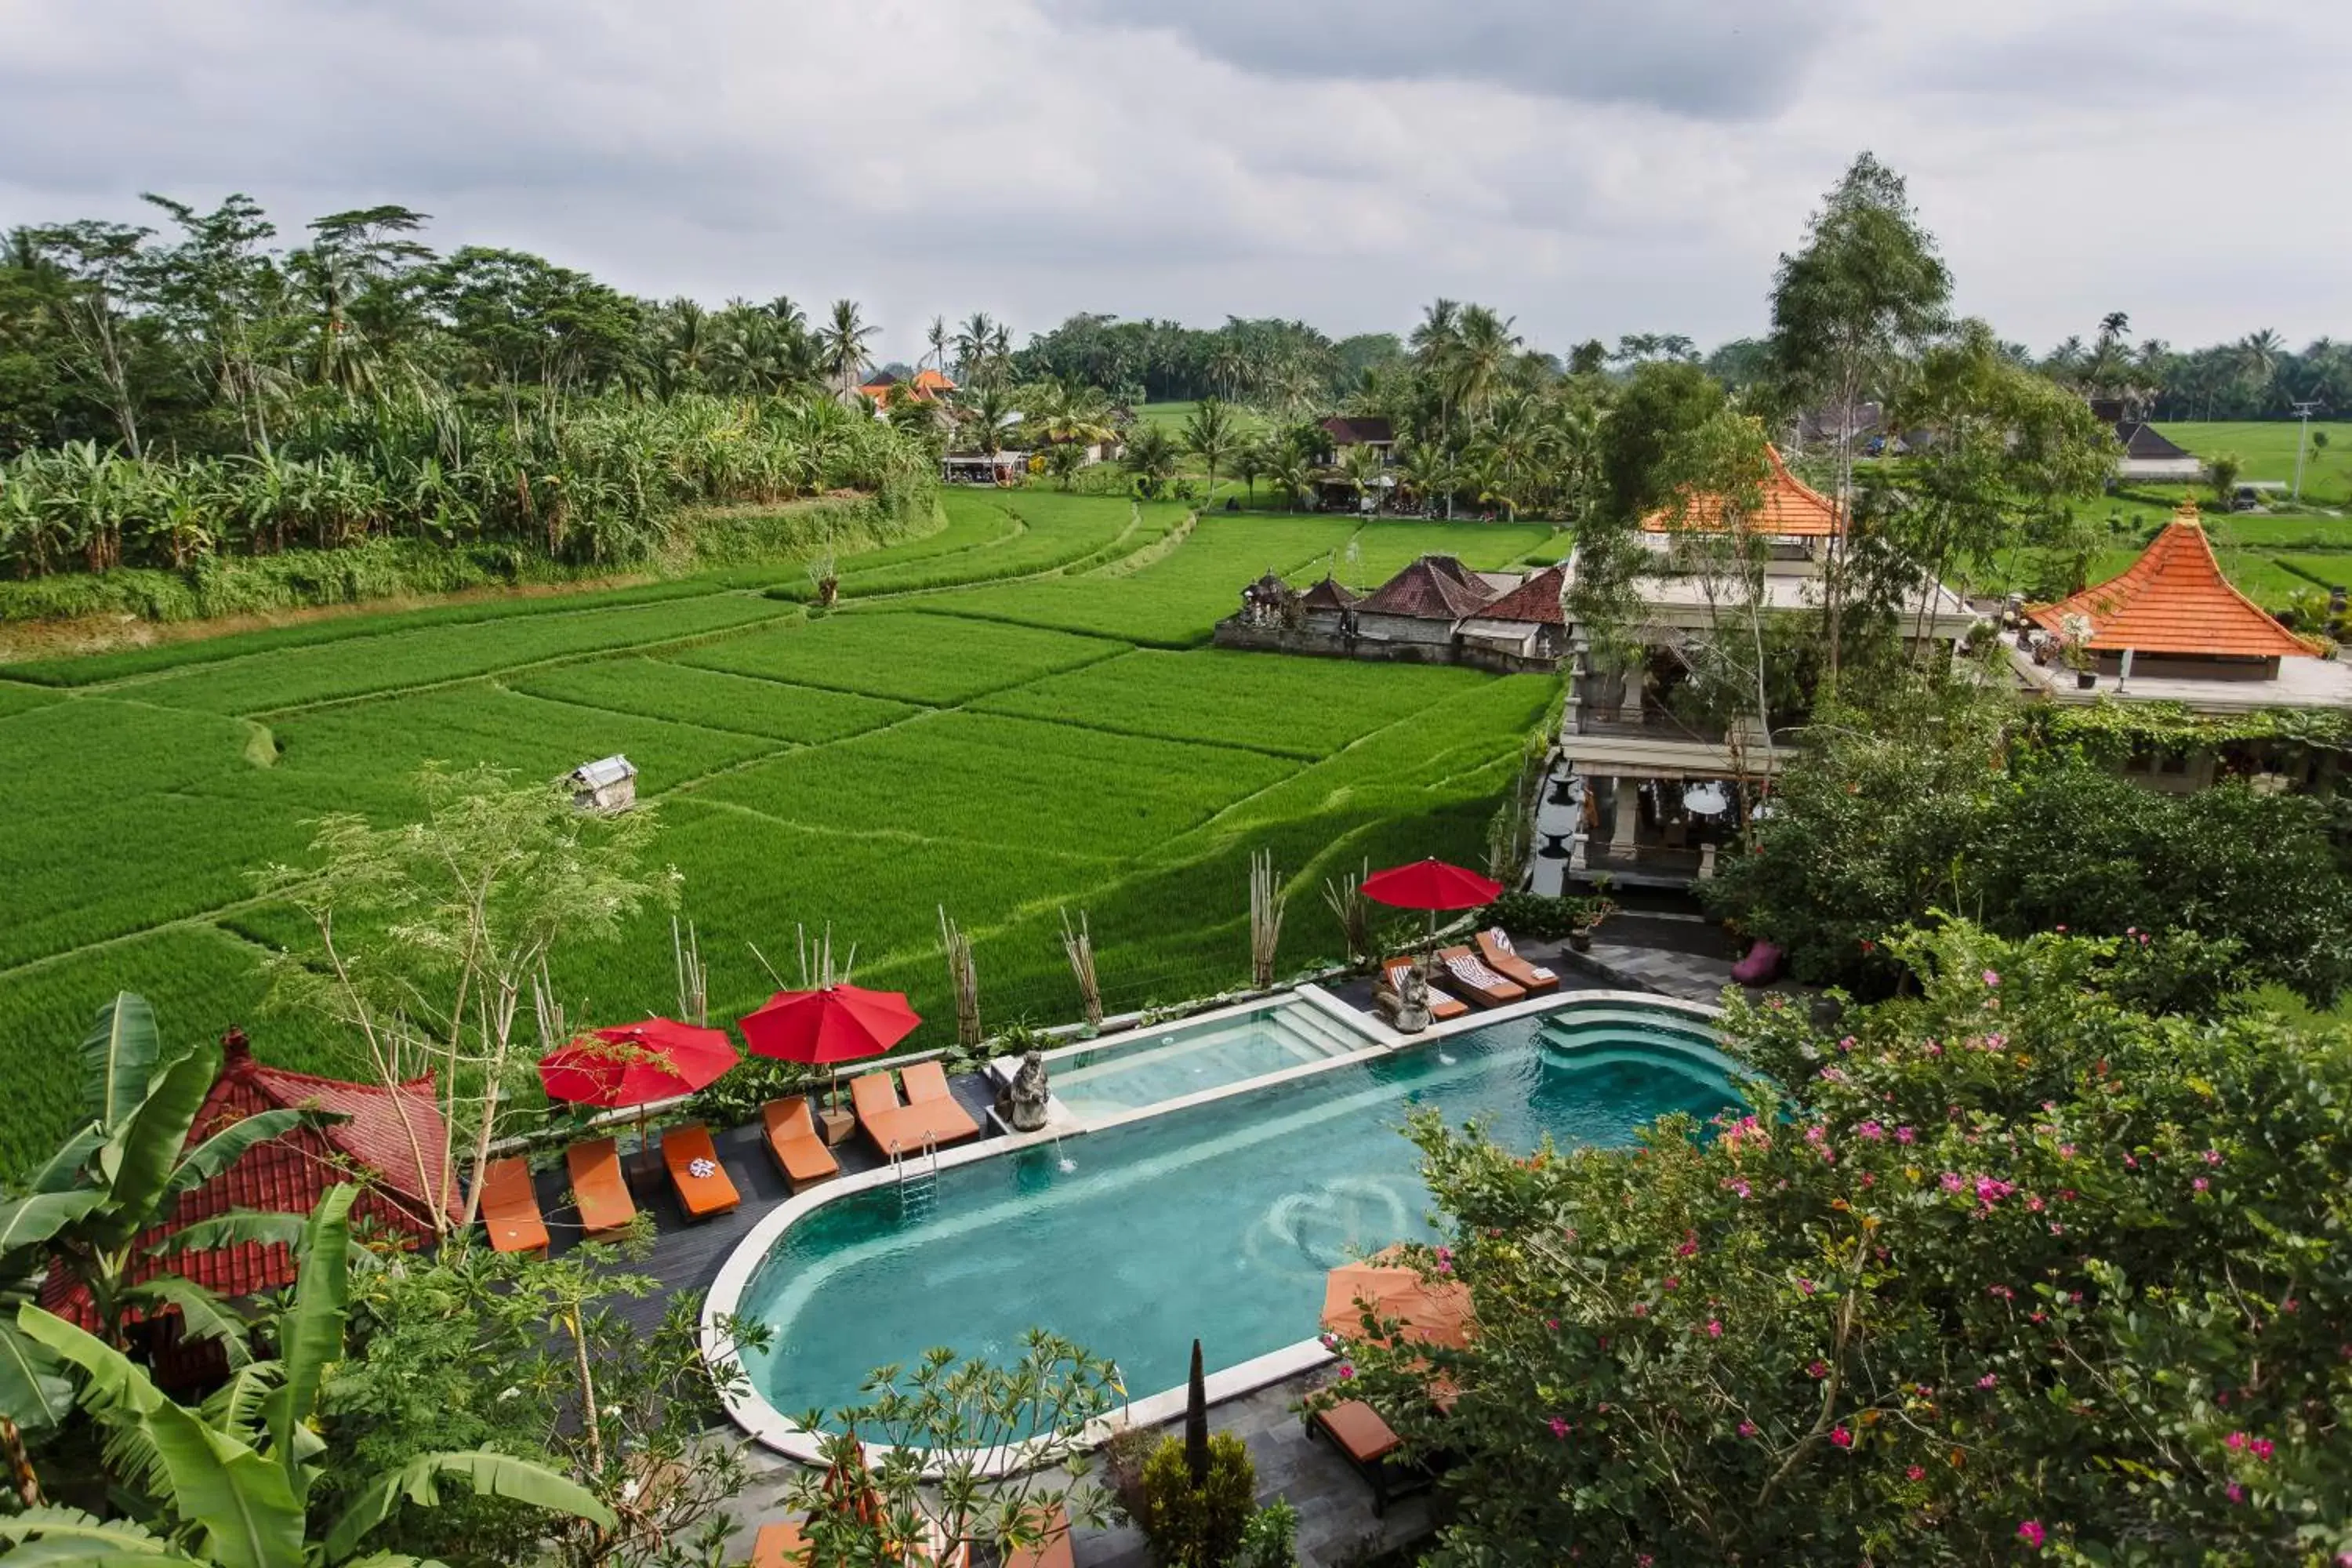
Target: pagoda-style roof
<point>1789,508</point>
<point>1537,600</point>
<point>2143,442</point>
<point>2174,600</point>
<point>390,1140</point>
<point>1328,594</point>
<point>1434,588</point>
<point>1352,430</point>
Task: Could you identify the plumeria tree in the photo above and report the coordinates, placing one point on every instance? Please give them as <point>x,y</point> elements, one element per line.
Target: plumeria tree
<point>2007,1269</point>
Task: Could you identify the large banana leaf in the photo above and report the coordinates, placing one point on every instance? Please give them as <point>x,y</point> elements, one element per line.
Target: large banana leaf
<point>66,1168</point>
<point>139,1158</point>
<point>40,1536</point>
<point>219,1151</point>
<point>28,1221</point>
<point>34,1392</point>
<point>239,1502</point>
<point>491,1475</point>
<point>310,1333</point>
<point>238,1227</point>
<point>203,1315</point>
<point>119,1059</point>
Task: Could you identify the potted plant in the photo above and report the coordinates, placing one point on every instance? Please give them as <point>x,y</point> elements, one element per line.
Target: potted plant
<point>2074,648</point>
<point>1589,919</point>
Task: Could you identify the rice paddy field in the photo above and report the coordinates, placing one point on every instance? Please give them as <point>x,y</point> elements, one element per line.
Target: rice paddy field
<point>1010,715</point>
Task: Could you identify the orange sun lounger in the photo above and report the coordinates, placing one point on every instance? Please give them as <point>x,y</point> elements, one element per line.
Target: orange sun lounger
<point>1370,1446</point>
<point>1053,1551</point>
<point>931,1105</point>
<point>779,1545</point>
<point>793,1142</point>
<point>511,1208</point>
<point>1495,948</point>
<point>1466,976</point>
<point>1441,1005</point>
<point>599,1186</point>
<point>703,1189</point>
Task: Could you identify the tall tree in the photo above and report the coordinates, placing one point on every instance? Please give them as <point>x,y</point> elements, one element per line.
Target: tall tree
<point>1866,286</point>
<point>1212,435</point>
<point>847,338</point>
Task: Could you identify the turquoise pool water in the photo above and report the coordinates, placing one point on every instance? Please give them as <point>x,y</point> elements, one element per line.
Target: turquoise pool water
<point>1218,1221</point>
<point>1150,1066</point>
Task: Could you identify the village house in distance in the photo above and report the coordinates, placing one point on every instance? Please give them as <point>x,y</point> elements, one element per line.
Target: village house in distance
<point>1435,611</point>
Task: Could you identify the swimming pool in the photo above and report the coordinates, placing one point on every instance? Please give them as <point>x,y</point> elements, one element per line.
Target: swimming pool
<point>1150,1066</point>
<point>1218,1220</point>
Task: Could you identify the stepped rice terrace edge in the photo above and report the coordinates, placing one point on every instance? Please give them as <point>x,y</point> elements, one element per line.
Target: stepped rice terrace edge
<point>1010,715</point>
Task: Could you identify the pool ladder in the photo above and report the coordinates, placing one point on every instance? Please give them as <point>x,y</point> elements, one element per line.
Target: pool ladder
<point>919,1180</point>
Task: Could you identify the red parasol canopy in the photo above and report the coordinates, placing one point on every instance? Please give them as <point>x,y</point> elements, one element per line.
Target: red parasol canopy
<point>636,1064</point>
<point>1431,885</point>
<point>837,1024</point>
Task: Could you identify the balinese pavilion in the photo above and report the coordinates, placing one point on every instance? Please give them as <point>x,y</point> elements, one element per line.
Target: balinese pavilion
<point>1640,791</point>
<point>2171,628</point>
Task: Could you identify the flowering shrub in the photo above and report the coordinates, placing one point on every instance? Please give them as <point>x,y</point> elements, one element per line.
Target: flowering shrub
<point>2017,1271</point>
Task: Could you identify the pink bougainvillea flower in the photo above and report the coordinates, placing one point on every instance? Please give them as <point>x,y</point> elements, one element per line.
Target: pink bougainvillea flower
<point>1916,1473</point>
<point>1714,1328</point>
<point>1672,1282</point>
<point>1804,1285</point>
<point>1988,1381</point>
<point>1870,1130</point>
<point>1689,1248</point>
<point>2212,1156</point>
<point>1346,1370</point>
<point>1906,1134</point>
<point>1818,1370</point>
<point>1841,1438</point>
<point>2199,1184</point>
<point>2031,1533</point>
<point>1747,1428</point>
<point>2235,1493</point>
<point>1992,977</point>
<point>1558,1426</point>
<point>1953,1181</point>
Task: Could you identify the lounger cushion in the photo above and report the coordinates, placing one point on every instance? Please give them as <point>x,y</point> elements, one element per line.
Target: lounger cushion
<point>1464,969</point>
<point>599,1186</point>
<point>793,1139</point>
<point>932,1107</point>
<point>779,1545</point>
<point>511,1208</point>
<point>1358,1428</point>
<point>1053,1551</point>
<point>701,1180</point>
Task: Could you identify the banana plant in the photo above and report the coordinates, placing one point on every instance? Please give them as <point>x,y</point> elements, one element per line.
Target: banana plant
<point>119,1175</point>
<point>229,1484</point>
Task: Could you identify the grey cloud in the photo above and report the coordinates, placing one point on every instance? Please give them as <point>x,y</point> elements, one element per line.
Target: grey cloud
<point>1714,59</point>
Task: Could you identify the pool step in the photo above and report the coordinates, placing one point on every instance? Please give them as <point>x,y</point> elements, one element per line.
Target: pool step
<point>1326,1036</point>
<point>1597,1037</point>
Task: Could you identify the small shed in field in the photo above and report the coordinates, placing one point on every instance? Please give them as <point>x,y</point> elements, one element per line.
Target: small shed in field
<point>609,783</point>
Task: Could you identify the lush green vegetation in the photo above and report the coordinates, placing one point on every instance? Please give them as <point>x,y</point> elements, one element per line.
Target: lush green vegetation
<point>2008,1269</point>
<point>1005,748</point>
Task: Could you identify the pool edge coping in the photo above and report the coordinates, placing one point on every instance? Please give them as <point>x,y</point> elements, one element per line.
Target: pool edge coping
<point>760,1420</point>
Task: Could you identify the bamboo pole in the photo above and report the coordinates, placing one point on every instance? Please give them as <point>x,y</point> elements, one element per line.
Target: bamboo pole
<point>1079,945</point>
<point>1267,900</point>
<point>963,978</point>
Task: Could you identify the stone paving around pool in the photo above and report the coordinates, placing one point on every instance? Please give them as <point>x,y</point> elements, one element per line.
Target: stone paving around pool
<point>1336,1526</point>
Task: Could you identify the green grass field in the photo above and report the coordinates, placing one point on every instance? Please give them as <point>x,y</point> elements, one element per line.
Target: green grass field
<point>2266,447</point>
<point>1012,714</point>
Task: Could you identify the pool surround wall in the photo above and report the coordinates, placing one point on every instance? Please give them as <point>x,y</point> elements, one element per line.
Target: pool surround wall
<point>763,1421</point>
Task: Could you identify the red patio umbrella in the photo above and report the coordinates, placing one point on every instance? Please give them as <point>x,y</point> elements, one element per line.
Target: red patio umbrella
<point>835,1024</point>
<point>636,1064</point>
<point>1431,885</point>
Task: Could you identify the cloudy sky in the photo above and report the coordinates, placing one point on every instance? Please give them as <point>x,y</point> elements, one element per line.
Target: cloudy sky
<point>1591,166</point>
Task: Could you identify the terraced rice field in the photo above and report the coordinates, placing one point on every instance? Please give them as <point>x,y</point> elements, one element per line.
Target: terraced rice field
<point>1014,714</point>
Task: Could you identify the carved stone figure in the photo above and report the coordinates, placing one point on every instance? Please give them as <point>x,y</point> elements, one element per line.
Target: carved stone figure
<point>1413,1001</point>
<point>1022,1103</point>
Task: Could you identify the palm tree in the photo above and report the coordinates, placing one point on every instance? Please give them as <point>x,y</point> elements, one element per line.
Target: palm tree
<point>1211,435</point>
<point>1150,457</point>
<point>2258,355</point>
<point>234,1477</point>
<point>973,341</point>
<point>844,342</point>
<point>1482,353</point>
<point>936,337</point>
<point>1253,458</point>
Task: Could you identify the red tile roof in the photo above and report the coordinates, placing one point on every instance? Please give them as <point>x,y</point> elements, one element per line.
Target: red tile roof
<point>289,1173</point>
<point>2174,599</point>
<point>1434,588</point>
<point>1788,508</point>
<point>1537,599</point>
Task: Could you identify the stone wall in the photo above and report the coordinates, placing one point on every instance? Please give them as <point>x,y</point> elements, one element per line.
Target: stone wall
<point>1232,634</point>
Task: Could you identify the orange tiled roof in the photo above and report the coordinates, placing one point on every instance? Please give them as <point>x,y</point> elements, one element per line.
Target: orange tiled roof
<point>1537,599</point>
<point>1788,508</point>
<point>2174,599</point>
<point>933,381</point>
